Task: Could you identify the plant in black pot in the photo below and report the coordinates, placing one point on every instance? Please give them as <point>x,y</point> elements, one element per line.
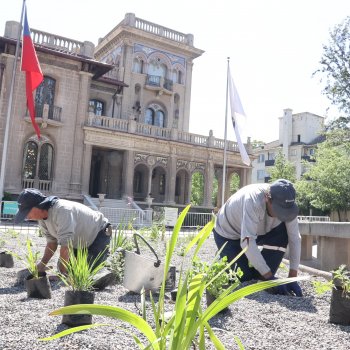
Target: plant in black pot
<point>80,279</point>
<point>340,300</point>
<point>6,259</point>
<point>36,283</point>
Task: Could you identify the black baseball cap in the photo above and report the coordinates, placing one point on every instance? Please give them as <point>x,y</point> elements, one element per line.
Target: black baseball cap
<point>283,203</point>
<point>28,199</point>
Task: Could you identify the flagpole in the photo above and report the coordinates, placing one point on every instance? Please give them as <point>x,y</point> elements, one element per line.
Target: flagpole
<point>9,110</point>
<point>225,141</point>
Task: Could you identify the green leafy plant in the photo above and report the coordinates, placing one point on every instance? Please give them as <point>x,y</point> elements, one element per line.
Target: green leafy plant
<point>340,279</point>
<point>188,324</point>
<point>119,242</point>
<point>29,258</point>
<point>80,272</point>
<point>219,272</point>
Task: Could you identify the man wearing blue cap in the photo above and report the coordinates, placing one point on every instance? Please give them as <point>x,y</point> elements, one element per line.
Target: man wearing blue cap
<point>261,215</point>
<point>63,223</point>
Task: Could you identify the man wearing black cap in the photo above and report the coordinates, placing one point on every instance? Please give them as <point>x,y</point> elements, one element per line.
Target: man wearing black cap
<point>265,215</point>
<point>65,222</point>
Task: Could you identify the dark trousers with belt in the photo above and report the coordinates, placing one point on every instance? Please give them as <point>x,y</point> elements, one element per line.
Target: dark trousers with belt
<point>274,240</point>
<point>99,246</point>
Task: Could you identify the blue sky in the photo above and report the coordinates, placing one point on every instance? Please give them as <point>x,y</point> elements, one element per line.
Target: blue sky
<point>274,46</point>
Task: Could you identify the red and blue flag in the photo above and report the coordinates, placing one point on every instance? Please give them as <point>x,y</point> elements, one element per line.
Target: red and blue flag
<point>30,65</point>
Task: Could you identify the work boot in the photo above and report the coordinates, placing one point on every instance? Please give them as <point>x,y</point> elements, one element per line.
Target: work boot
<point>103,279</point>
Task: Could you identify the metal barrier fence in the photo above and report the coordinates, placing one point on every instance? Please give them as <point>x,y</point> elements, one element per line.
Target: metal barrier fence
<point>314,218</point>
<point>121,216</point>
<point>196,219</point>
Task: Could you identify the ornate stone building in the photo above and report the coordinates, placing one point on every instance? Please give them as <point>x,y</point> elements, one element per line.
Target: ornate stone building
<point>114,118</point>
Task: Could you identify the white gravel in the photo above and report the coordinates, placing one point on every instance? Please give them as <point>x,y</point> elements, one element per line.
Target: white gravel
<point>261,321</point>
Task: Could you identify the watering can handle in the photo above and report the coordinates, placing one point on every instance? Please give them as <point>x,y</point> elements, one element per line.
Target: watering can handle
<point>157,263</point>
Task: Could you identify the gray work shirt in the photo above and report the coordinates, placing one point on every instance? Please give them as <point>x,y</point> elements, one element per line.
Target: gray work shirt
<point>245,215</point>
<point>72,221</point>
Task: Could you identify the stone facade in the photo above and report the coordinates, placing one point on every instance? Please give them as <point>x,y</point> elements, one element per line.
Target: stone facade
<point>114,119</point>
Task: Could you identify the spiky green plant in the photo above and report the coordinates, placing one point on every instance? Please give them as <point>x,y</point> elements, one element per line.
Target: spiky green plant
<point>80,272</point>
<point>29,258</point>
<point>189,322</point>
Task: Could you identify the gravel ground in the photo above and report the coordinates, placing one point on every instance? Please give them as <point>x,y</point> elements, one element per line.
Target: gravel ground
<point>261,321</point>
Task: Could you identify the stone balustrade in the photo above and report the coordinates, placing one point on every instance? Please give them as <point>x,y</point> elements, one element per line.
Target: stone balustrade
<point>133,127</point>
<point>132,21</point>
<point>52,41</point>
<point>333,243</point>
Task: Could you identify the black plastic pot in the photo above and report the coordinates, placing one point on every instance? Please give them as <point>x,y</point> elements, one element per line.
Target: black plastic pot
<point>6,260</point>
<point>38,287</point>
<point>210,299</point>
<point>340,308</point>
<point>73,298</point>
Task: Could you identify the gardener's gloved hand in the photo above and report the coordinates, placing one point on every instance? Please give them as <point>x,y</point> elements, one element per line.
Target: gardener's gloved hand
<point>291,288</point>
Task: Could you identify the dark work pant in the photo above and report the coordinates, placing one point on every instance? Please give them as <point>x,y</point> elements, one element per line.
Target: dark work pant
<point>99,245</point>
<point>277,237</point>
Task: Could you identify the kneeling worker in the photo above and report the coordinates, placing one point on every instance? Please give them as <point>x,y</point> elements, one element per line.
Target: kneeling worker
<point>261,214</point>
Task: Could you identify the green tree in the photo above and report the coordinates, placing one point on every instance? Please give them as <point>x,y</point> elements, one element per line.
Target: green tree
<point>328,189</point>
<point>283,169</point>
<point>197,191</point>
<point>234,183</point>
<point>335,68</point>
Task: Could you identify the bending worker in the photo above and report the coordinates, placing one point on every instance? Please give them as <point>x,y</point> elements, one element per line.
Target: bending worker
<point>65,222</point>
<point>261,214</point>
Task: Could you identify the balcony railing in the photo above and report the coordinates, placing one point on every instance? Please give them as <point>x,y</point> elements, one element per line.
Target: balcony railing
<point>160,82</point>
<point>133,127</point>
<point>48,111</point>
<point>41,185</point>
<point>270,162</point>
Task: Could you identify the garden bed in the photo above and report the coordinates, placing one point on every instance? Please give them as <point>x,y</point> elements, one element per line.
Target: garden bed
<point>261,321</point>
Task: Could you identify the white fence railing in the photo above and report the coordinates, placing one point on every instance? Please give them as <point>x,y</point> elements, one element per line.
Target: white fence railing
<point>121,216</point>
<point>313,218</point>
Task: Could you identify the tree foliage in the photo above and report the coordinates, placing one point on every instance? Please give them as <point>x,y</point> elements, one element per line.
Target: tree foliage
<point>197,192</point>
<point>329,178</point>
<point>335,68</point>
<point>283,169</point>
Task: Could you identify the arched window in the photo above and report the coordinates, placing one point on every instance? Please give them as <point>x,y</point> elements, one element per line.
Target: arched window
<point>137,182</point>
<point>155,116</point>
<point>137,66</point>
<point>158,69</point>
<point>149,118</point>
<point>37,164</point>
<point>159,121</point>
<point>45,94</point>
<point>97,107</point>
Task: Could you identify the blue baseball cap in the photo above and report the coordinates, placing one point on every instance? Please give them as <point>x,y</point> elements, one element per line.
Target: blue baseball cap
<point>283,203</point>
<point>27,200</point>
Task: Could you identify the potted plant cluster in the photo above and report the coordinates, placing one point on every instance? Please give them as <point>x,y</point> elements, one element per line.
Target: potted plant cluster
<point>6,259</point>
<point>37,283</point>
<point>339,312</point>
<point>188,324</point>
<point>79,277</point>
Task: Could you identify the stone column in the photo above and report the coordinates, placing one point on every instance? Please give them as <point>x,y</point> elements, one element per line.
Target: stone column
<point>219,176</point>
<point>187,98</point>
<point>86,169</point>
<point>209,179</point>
<point>128,173</point>
<point>78,135</point>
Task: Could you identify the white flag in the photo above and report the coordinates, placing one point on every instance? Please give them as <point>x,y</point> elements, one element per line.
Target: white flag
<point>238,117</point>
